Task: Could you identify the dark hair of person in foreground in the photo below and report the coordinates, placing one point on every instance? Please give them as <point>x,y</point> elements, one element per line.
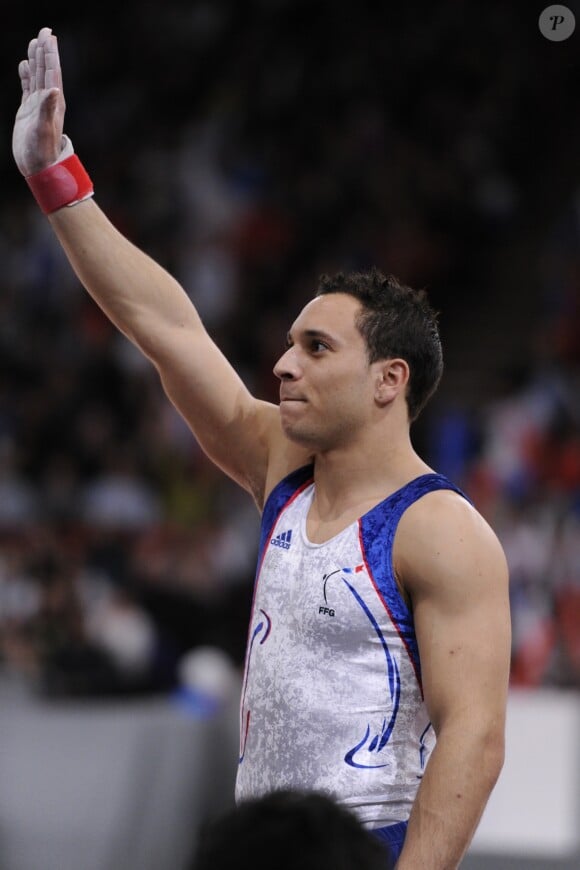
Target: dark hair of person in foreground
<point>288,830</point>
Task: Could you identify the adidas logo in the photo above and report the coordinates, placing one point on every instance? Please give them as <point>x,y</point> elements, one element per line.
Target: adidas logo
<point>283,540</point>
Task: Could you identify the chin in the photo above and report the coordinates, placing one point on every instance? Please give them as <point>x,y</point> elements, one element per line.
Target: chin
<point>300,436</point>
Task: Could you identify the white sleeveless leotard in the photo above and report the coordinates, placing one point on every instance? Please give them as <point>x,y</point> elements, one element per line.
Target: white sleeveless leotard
<point>332,697</point>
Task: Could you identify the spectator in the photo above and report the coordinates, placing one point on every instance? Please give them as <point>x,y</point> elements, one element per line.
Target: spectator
<point>289,830</point>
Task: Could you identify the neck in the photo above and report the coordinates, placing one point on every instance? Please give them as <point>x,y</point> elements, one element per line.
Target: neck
<point>365,472</point>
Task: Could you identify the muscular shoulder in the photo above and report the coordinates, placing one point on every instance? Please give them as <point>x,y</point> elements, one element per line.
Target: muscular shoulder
<point>444,546</point>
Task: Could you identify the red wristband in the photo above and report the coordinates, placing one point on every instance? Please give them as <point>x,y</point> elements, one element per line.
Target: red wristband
<point>63,183</point>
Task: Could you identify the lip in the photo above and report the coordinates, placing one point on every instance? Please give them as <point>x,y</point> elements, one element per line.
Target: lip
<point>291,399</point>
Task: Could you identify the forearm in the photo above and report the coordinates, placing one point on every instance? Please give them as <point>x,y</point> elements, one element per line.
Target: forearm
<point>140,297</point>
<point>137,294</point>
<point>459,778</point>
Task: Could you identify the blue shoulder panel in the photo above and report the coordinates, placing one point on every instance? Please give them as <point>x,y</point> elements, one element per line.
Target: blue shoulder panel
<point>278,499</point>
<point>377,530</point>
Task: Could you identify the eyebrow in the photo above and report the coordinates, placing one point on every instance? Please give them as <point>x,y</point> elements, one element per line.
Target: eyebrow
<point>311,333</point>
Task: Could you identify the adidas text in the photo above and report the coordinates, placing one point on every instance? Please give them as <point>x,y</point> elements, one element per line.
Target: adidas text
<point>283,540</point>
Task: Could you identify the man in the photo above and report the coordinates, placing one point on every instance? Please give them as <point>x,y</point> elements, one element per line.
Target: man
<point>380,618</point>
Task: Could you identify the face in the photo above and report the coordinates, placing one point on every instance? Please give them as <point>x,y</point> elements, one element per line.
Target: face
<point>326,382</point>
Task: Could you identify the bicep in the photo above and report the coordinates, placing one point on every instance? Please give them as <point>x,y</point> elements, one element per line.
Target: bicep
<point>459,591</point>
<point>241,434</point>
<point>233,428</point>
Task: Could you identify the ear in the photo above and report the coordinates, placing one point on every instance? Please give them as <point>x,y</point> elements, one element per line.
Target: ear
<point>392,377</point>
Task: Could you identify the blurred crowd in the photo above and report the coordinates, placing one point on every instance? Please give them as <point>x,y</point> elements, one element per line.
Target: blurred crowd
<point>249,151</point>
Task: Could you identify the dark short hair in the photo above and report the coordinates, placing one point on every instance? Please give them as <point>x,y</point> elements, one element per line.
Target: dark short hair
<point>395,321</point>
<point>289,830</point>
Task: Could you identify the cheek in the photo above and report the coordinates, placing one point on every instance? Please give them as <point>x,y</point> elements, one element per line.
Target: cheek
<point>353,398</point>
<point>359,383</point>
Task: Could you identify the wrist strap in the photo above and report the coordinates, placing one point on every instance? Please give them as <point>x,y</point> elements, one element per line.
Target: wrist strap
<point>64,183</point>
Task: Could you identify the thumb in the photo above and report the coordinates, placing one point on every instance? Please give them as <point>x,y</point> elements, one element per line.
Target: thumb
<point>49,104</point>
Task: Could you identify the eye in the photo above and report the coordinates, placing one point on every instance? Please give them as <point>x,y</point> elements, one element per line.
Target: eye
<point>318,346</point>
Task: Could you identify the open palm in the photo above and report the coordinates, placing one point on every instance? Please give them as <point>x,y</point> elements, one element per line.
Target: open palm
<point>37,135</point>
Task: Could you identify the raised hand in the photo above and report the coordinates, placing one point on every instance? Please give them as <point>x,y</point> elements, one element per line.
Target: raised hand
<point>37,139</point>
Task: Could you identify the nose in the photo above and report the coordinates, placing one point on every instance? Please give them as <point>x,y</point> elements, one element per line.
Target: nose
<point>287,369</point>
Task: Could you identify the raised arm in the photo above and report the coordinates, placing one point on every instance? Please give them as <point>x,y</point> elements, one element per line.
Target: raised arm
<point>241,434</point>
<point>454,570</point>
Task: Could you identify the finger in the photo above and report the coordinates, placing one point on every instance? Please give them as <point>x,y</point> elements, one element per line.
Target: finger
<point>32,63</point>
<point>53,74</point>
<point>24,73</point>
<point>40,67</point>
<point>33,45</point>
